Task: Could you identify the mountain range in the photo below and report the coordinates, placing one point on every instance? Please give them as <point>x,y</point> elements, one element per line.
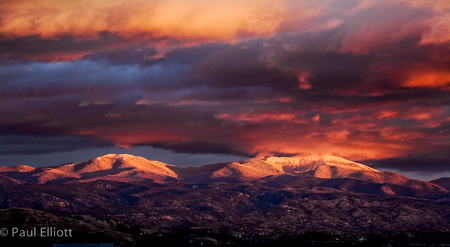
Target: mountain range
<point>129,168</point>
<point>284,194</point>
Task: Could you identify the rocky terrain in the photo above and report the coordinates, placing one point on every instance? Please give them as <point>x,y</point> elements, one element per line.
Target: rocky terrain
<point>272,195</point>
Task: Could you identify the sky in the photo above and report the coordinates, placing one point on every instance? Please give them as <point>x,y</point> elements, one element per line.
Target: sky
<point>192,82</point>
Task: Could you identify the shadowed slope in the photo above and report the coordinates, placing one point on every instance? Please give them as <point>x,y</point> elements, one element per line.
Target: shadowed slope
<point>7,181</point>
<point>443,182</point>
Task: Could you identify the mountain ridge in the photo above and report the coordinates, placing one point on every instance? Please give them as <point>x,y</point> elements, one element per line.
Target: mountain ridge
<point>130,168</point>
<point>118,167</point>
<point>287,193</point>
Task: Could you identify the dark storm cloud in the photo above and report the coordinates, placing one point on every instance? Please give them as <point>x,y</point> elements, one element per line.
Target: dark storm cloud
<point>430,162</point>
<point>87,78</point>
<point>125,56</point>
<point>28,145</point>
<point>200,147</point>
<point>240,67</point>
<point>36,48</point>
<point>246,77</point>
<point>362,86</point>
<point>148,56</point>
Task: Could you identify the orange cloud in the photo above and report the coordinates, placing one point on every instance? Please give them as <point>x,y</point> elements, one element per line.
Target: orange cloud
<point>251,117</point>
<point>313,144</point>
<point>278,99</point>
<point>422,115</point>
<point>428,79</point>
<point>59,57</point>
<point>179,19</point>
<point>395,135</point>
<point>386,114</point>
<point>315,118</point>
<point>337,136</point>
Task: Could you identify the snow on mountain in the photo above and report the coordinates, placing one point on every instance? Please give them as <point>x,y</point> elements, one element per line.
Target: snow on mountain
<point>320,166</point>
<point>129,168</point>
<point>119,167</point>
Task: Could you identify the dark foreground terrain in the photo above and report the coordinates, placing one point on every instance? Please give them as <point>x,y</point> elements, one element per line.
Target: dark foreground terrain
<point>254,206</point>
<point>243,214</point>
<point>273,201</point>
<point>86,229</point>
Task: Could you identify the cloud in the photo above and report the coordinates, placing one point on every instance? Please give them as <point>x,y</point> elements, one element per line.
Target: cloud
<point>270,78</point>
<point>251,117</point>
<point>64,48</point>
<point>193,19</point>
<point>428,79</point>
<point>439,32</point>
<point>30,145</point>
<point>414,162</point>
<point>437,5</point>
<point>383,27</point>
<point>337,136</point>
<point>226,96</point>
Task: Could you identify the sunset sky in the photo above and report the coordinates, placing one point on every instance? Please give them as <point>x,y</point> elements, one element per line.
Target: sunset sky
<point>191,82</point>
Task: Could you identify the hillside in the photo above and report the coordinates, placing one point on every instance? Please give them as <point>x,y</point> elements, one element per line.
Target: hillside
<point>118,167</point>
<point>443,182</point>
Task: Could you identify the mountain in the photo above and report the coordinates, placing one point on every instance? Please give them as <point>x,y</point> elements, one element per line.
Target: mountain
<point>443,182</point>
<point>7,181</point>
<point>321,166</point>
<point>300,168</point>
<point>118,167</point>
<point>290,194</point>
<point>342,174</point>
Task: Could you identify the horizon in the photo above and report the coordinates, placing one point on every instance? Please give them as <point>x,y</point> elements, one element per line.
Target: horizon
<point>194,82</point>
